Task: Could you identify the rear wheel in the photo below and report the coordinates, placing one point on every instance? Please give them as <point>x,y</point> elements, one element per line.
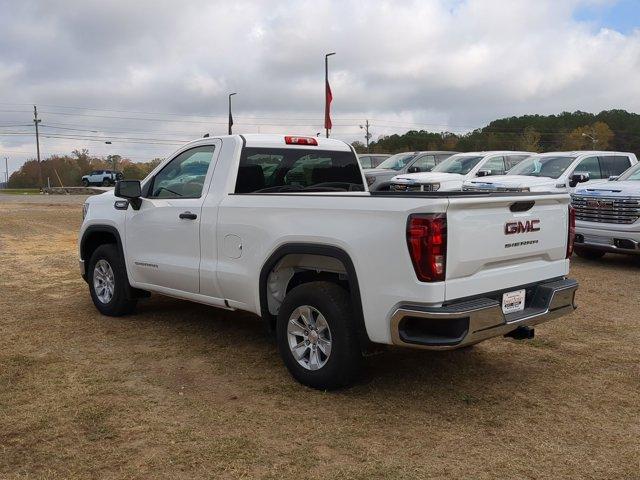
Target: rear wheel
<point>106,182</point>
<point>589,253</point>
<point>316,336</point>
<point>108,283</point>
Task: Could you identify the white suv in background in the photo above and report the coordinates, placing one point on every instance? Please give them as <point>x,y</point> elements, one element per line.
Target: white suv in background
<point>608,216</point>
<point>449,175</point>
<point>557,172</point>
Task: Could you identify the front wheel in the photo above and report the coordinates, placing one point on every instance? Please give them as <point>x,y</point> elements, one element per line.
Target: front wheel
<point>108,283</point>
<point>85,182</point>
<point>317,338</point>
<point>589,253</point>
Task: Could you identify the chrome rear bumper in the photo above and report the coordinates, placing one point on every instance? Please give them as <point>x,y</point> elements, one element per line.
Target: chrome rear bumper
<point>472,321</point>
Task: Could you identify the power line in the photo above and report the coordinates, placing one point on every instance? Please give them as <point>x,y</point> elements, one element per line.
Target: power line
<point>314,119</point>
<point>108,130</point>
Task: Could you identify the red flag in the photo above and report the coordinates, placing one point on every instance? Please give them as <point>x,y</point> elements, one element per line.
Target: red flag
<point>327,106</point>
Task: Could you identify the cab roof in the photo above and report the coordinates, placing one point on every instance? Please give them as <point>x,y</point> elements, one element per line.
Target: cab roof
<point>496,152</point>
<point>270,140</point>
<point>577,153</point>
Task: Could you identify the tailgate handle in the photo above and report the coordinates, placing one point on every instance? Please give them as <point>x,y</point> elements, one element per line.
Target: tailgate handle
<point>522,206</point>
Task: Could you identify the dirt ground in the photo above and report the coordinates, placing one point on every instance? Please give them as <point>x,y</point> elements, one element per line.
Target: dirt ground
<point>186,391</point>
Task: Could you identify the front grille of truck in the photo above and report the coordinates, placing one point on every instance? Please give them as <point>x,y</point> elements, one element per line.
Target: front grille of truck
<point>467,188</point>
<point>401,187</point>
<point>621,210</point>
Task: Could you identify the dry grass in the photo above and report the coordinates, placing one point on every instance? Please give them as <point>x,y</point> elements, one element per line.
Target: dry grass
<point>182,390</point>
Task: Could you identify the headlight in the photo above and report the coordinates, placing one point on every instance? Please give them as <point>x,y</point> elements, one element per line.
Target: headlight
<point>370,180</point>
<point>85,210</point>
<point>525,189</point>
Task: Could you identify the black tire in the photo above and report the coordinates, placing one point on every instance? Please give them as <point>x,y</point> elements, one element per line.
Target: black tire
<point>85,182</point>
<point>106,182</point>
<point>123,301</point>
<point>589,253</point>
<point>344,362</point>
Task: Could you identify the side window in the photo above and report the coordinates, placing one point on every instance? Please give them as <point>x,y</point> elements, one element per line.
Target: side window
<point>591,165</point>
<point>614,165</point>
<point>365,162</point>
<point>496,165</point>
<point>425,163</point>
<point>183,177</point>
<point>512,160</point>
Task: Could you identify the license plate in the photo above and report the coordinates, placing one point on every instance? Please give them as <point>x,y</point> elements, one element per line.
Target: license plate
<point>513,301</point>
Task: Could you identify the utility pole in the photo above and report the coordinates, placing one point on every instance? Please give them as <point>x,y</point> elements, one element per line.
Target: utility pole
<point>367,135</point>
<point>36,121</point>
<point>6,170</point>
<point>594,140</point>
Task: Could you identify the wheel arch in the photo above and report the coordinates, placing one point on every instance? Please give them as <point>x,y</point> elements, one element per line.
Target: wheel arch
<point>317,250</point>
<point>93,237</point>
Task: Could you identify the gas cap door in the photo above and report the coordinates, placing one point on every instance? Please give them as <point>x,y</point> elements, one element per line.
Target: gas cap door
<point>232,246</point>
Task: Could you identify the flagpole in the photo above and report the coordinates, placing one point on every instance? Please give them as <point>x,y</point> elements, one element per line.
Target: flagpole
<point>326,85</point>
<point>230,117</point>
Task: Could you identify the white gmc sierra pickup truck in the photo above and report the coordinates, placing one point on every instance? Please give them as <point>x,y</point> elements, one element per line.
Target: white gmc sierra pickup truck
<point>608,216</point>
<point>284,227</point>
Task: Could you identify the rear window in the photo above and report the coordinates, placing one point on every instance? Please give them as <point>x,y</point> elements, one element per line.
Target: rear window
<point>612,166</point>
<point>273,170</point>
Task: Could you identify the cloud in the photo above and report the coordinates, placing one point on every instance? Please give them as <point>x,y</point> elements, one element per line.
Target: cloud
<point>437,64</point>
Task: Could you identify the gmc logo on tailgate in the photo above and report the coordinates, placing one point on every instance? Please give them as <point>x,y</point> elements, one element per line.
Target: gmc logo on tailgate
<point>511,228</point>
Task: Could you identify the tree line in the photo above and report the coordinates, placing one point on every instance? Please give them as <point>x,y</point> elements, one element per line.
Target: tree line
<point>607,130</point>
<point>67,170</point>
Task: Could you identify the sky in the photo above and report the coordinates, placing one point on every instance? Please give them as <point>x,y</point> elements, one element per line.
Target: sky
<point>149,75</point>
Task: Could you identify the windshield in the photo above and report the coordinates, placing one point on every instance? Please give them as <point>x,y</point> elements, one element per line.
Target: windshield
<point>631,174</point>
<point>461,164</point>
<point>398,161</point>
<point>537,166</point>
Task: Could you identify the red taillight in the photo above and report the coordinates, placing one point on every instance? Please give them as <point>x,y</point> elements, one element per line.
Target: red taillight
<point>427,241</point>
<point>572,231</point>
<point>300,141</point>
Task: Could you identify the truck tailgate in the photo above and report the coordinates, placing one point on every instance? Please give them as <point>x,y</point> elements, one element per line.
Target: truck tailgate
<point>499,242</point>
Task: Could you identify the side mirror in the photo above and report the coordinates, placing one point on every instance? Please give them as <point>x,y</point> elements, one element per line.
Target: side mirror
<point>578,177</point>
<point>613,178</point>
<point>483,173</point>
<point>131,190</point>
<point>413,169</point>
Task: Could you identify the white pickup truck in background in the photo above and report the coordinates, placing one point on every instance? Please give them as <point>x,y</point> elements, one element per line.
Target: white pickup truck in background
<point>449,175</point>
<point>284,227</point>
<point>556,172</point>
<point>608,216</point>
